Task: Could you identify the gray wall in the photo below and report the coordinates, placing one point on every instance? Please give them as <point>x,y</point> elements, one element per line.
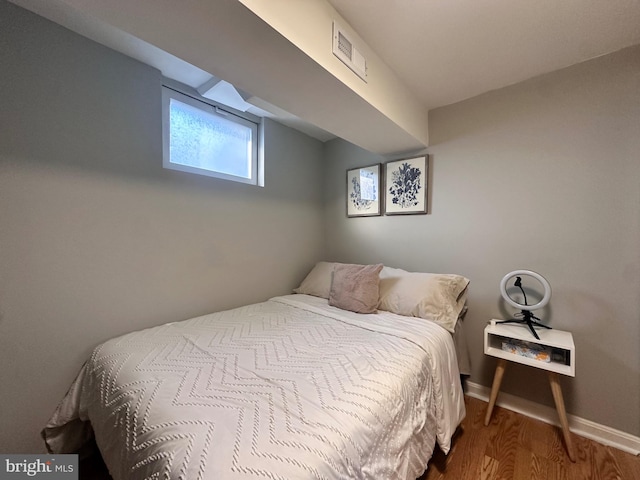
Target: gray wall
<point>96,239</point>
<point>543,175</point>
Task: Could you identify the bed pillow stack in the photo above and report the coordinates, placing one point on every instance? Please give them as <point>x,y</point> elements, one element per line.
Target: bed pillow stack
<point>365,288</point>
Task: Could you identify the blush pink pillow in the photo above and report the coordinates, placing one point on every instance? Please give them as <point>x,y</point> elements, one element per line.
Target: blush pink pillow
<point>355,287</point>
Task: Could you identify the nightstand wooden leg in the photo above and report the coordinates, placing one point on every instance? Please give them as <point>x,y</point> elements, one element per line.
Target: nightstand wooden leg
<point>495,389</point>
<point>554,381</point>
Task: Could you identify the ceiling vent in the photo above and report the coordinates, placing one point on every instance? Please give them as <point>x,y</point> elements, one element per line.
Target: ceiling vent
<point>343,49</point>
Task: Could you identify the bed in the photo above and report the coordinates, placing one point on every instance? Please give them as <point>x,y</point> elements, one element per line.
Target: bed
<point>291,388</point>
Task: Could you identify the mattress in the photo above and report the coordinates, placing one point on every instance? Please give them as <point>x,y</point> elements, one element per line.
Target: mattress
<point>290,388</point>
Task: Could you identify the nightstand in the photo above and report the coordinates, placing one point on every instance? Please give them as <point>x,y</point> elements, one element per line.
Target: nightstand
<point>561,349</point>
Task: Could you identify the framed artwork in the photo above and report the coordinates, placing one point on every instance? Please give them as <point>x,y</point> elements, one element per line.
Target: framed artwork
<point>406,186</point>
<point>363,191</point>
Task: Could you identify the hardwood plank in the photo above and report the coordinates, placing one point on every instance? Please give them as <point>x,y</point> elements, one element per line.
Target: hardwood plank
<point>522,464</point>
<point>539,467</point>
<point>515,447</point>
<point>629,464</point>
<point>503,443</point>
<point>489,468</point>
<point>556,471</point>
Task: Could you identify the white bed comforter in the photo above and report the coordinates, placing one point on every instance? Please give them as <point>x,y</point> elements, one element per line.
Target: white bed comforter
<point>291,388</point>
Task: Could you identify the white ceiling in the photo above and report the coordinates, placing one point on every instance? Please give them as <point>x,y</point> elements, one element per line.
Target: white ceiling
<point>444,51</point>
<point>450,50</point>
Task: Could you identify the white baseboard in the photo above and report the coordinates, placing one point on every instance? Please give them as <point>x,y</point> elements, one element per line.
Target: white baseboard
<point>585,428</point>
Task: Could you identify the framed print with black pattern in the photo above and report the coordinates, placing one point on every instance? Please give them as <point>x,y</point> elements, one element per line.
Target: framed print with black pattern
<point>406,186</point>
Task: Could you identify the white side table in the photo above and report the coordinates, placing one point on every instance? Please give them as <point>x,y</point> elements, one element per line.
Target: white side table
<point>563,361</point>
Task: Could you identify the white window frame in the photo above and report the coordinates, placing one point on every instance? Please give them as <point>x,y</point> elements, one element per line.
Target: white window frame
<point>248,120</point>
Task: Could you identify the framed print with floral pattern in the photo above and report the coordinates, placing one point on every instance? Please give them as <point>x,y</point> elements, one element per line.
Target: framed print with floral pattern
<point>363,191</point>
<point>406,186</point>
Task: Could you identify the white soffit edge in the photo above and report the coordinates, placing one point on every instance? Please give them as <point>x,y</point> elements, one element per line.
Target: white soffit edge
<point>227,40</point>
<point>309,25</point>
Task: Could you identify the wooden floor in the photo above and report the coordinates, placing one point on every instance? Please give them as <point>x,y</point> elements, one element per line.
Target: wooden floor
<point>512,447</point>
<point>515,447</point>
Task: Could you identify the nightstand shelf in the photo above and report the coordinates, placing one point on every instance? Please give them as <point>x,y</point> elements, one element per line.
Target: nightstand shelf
<point>563,362</point>
<point>561,344</point>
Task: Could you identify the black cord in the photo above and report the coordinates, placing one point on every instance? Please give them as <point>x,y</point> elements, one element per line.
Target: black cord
<point>518,283</point>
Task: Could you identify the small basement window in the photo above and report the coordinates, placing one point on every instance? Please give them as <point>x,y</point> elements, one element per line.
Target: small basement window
<point>207,139</point>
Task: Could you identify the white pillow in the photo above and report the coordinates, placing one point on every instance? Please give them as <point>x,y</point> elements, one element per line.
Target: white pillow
<point>318,281</point>
<point>436,297</point>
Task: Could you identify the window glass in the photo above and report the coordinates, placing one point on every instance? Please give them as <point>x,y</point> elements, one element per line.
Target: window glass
<point>202,138</point>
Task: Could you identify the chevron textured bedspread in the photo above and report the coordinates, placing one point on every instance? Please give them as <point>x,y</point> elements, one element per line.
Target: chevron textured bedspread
<point>286,389</point>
